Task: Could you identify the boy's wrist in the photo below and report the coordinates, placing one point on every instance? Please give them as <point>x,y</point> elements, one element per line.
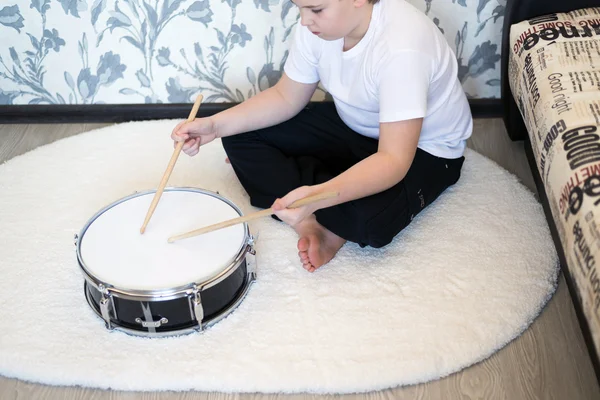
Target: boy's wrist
<point>215,125</point>
<point>323,188</point>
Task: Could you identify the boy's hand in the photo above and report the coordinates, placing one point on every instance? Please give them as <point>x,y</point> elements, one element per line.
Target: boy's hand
<point>293,216</point>
<point>194,134</point>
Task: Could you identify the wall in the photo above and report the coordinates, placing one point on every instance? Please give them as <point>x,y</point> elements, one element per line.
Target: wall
<point>165,51</point>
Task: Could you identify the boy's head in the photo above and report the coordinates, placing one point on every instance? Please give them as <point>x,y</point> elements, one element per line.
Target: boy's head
<point>334,19</point>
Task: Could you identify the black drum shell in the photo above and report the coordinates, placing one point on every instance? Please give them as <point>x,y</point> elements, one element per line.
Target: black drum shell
<point>178,311</point>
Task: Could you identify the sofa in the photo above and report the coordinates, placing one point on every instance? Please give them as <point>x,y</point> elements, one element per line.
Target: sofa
<point>551,100</point>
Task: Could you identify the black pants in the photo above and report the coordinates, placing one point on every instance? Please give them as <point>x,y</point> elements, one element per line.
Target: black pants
<point>314,147</point>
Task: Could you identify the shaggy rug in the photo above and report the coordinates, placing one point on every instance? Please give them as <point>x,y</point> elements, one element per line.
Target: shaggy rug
<point>468,276</point>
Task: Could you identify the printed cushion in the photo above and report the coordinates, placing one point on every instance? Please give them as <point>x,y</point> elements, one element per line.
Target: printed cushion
<point>554,73</point>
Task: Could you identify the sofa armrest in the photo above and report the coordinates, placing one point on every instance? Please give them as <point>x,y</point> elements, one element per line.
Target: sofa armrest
<point>518,11</point>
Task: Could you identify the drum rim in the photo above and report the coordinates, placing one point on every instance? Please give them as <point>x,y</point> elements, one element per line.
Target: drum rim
<point>167,293</point>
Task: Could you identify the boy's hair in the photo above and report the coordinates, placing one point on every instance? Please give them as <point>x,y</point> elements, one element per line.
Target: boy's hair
<point>373,1</point>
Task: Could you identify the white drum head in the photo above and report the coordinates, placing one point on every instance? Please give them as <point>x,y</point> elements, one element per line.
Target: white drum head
<point>113,250</point>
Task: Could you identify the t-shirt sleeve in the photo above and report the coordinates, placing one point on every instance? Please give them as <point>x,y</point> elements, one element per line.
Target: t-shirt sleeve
<point>302,61</point>
<point>403,83</point>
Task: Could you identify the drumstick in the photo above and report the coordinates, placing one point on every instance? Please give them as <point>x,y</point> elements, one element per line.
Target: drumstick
<point>167,174</point>
<point>250,217</point>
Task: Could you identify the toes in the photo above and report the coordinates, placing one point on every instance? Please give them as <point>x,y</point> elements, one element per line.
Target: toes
<point>303,244</point>
<point>303,255</point>
<point>308,247</point>
<point>308,266</point>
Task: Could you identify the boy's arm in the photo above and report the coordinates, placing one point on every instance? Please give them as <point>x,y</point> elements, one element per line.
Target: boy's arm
<point>270,107</point>
<point>376,173</point>
<point>382,170</point>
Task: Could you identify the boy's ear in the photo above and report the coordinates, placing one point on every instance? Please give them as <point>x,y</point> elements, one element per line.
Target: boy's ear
<point>359,3</point>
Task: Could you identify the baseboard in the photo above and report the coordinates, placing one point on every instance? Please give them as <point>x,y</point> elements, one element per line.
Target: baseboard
<point>34,114</point>
<point>486,108</point>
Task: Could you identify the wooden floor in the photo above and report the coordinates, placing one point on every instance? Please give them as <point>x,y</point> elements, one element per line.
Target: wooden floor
<point>549,361</point>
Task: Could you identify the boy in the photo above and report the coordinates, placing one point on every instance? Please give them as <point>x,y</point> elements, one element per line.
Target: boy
<point>392,144</point>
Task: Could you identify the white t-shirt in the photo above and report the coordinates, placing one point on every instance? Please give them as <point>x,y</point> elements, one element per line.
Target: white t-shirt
<point>403,68</point>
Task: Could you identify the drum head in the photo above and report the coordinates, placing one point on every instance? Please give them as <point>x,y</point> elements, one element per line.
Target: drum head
<point>114,252</point>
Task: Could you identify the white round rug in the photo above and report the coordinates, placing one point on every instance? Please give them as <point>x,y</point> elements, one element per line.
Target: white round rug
<point>468,276</point>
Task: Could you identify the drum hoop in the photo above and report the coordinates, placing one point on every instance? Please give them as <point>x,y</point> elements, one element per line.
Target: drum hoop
<point>169,293</point>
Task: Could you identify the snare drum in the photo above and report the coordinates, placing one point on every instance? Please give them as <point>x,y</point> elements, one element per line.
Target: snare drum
<point>143,285</point>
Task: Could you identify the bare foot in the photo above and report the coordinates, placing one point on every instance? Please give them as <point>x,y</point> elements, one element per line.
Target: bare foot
<point>317,245</point>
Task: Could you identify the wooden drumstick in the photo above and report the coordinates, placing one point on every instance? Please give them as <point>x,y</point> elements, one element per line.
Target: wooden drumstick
<point>167,174</point>
<point>250,217</point>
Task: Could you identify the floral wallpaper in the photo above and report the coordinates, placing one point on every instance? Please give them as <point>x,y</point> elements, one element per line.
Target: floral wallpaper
<point>167,51</point>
